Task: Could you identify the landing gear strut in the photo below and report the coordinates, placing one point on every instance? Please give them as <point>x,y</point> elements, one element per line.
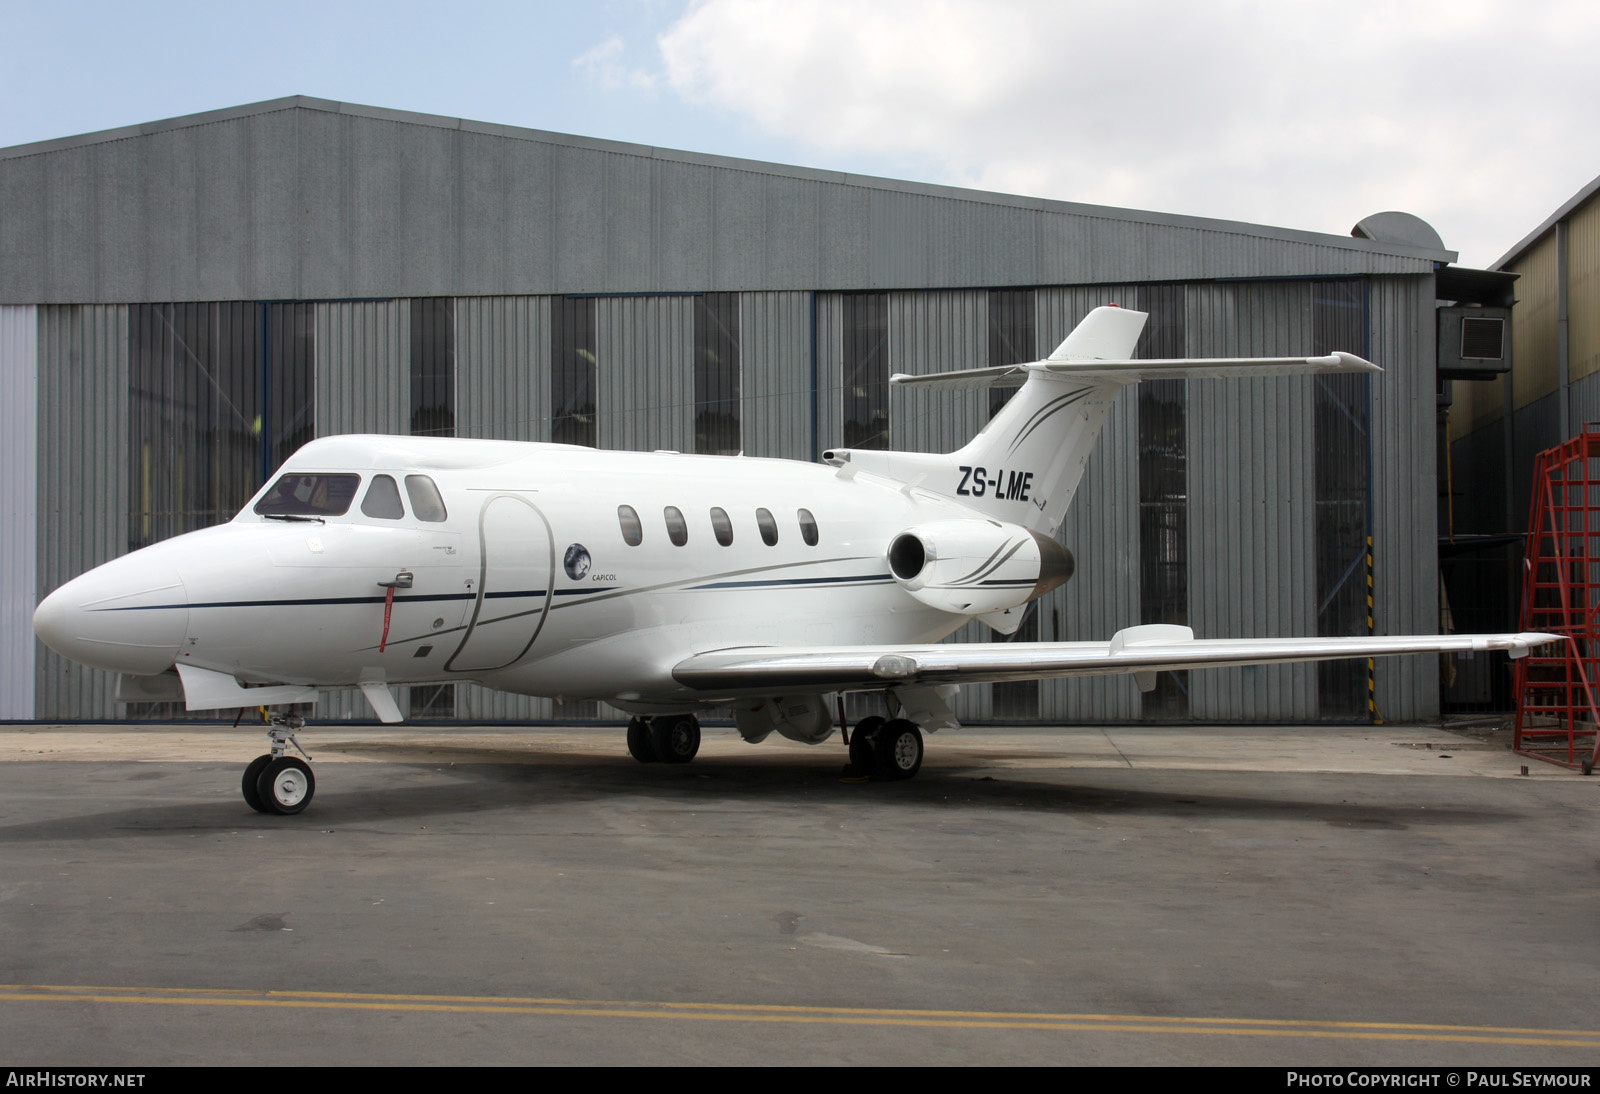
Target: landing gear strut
<point>666,738</point>
<point>278,782</point>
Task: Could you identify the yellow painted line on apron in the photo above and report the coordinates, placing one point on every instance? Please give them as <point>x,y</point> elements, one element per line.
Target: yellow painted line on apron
<point>785,1013</point>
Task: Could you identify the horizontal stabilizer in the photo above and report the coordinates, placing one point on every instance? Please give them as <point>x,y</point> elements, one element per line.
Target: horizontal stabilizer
<point>1132,371</point>
<point>1204,368</point>
<point>965,378</point>
<point>1136,651</point>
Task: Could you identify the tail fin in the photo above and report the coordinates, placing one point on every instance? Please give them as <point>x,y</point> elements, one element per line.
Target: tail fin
<point>1025,465</point>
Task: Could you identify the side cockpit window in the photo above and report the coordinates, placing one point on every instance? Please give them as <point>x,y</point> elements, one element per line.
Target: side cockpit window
<point>383,499</point>
<point>426,502</point>
<point>309,496</point>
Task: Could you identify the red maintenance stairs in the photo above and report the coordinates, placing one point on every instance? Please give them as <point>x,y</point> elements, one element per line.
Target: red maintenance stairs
<point>1557,718</point>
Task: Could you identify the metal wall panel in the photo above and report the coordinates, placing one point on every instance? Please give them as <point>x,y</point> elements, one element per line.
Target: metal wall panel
<point>1534,428</point>
<point>1583,293</point>
<point>364,367</point>
<point>503,368</point>
<point>305,199</point>
<point>645,357</point>
<point>828,355</point>
<point>1404,489</point>
<point>1583,404</point>
<point>683,223</point>
<point>83,483</point>
<point>936,332</point>
<point>1480,473</point>
<point>1533,329</point>
<point>777,396</point>
<point>1251,499</point>
<point>19,491</point>
<point>1476,403</point>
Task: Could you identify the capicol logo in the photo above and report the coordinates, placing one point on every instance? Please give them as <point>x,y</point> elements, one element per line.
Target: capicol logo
<point>576,561</point>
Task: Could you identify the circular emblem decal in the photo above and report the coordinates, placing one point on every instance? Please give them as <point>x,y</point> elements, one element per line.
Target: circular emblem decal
<point>576,562</point>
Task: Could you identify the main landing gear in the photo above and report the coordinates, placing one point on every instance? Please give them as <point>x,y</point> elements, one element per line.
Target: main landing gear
<point>886,749</point>
<point>278,782</point>
<point>665,738</point>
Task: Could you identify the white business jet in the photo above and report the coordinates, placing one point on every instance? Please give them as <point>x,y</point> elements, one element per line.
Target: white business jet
<point>667,585</point>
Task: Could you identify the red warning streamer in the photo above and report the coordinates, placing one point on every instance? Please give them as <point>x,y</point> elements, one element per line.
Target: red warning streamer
<point>388,610</point>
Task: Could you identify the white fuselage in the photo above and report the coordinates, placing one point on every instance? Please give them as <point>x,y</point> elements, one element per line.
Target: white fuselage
<point>528,585</point>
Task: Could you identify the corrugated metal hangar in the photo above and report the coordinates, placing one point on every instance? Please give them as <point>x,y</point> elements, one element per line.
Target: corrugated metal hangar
<point>184,303</point>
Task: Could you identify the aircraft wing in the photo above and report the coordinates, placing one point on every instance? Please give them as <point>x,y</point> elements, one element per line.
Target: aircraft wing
<point>1138,651</point>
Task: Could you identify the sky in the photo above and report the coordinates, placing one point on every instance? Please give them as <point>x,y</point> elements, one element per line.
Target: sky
<point>1479,116</point>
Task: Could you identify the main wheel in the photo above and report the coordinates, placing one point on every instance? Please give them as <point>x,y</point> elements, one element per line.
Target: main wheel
<point>897,750</point>
<point>286,785</point>
<point>247,785</point>
<point>861,739</point>
<point>641,741</point>
<point>677,738</point>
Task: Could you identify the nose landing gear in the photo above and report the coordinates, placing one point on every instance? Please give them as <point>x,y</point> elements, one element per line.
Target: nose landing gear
<point>278,782</point>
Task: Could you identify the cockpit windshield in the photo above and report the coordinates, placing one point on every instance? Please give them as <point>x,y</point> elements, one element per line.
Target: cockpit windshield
<point>309,496</point>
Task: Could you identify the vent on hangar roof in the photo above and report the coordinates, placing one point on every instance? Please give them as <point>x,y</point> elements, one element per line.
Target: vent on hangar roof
<point>1399,228</point>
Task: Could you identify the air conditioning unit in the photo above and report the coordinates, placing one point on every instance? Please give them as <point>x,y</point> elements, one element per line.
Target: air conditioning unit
<point>1474,343</point>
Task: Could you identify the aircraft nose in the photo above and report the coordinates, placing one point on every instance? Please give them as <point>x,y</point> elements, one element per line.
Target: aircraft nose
<point>129,615</point>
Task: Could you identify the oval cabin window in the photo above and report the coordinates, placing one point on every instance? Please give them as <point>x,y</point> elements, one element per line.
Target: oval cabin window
<point>768,526</point>
<point>632,529</point>
<point>677,527</point>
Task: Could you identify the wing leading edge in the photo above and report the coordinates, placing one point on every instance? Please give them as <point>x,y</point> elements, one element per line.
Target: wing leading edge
<point>1137,651</point>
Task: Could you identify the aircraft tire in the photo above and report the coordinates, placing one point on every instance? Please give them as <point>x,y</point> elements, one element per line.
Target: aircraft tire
<point>677,738</point>
<point>247,785</point>
<point>286,785</point>
<point>641,741</point>
<point>861,741</point>
<point>897,751</point>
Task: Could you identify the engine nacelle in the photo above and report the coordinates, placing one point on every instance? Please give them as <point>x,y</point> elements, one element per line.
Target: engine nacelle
<point>972,567</point>
<point>802,718</point>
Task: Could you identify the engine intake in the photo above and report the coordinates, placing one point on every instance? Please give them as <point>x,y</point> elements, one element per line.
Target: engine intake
<point>972,567</point>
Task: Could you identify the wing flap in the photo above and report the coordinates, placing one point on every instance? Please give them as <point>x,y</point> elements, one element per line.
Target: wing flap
<point>1137,650</point>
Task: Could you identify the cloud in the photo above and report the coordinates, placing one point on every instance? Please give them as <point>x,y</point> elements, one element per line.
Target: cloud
<point>604,65</point>
<point>1474,114</point>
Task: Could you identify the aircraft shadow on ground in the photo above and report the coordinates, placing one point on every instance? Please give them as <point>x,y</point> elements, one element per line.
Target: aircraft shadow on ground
<point>371,795</point>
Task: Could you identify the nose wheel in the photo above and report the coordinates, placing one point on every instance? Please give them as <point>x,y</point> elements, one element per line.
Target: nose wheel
<point>277,782</point>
